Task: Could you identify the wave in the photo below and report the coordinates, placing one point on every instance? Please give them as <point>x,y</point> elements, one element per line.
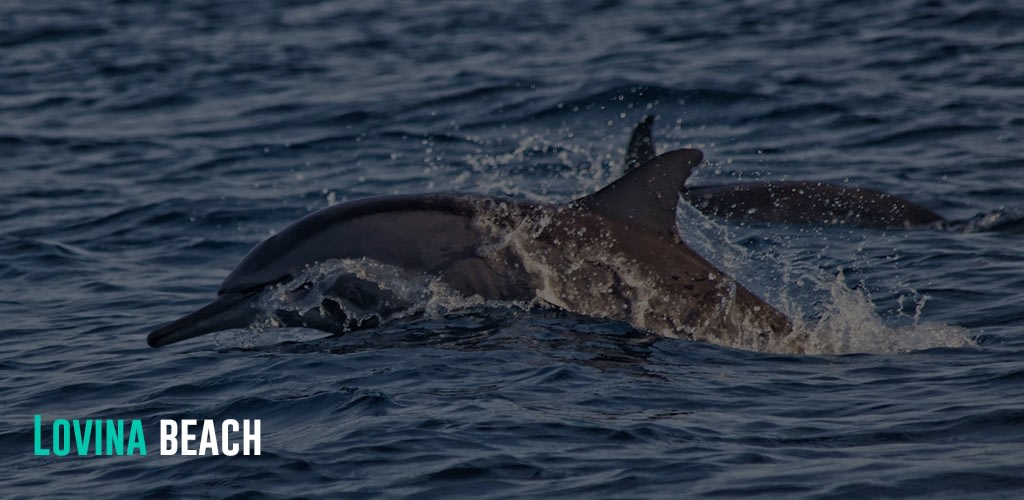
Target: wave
<point>1003,220</point>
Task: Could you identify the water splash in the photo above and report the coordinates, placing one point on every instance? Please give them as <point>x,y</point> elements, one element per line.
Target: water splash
<point>540,165</point>
<point>831,316</point>
<point>341,295</point>
<point>849,323</point>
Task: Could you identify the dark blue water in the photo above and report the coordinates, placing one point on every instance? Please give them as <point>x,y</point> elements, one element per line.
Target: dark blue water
<point>146,146</point>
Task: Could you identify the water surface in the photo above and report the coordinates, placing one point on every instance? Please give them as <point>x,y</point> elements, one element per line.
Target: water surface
<point>147,147</point>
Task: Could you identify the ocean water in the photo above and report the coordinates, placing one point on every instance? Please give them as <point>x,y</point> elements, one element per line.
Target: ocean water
<point>147,146</point>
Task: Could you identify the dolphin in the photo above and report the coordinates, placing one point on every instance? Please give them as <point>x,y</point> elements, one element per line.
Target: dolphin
<point>614,254</point>
<point>811,203</point>
<point>791,202</point>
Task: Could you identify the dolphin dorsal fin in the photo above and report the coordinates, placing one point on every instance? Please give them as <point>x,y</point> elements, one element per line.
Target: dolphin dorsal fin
<point>647,196</point>
<point>641,144</point>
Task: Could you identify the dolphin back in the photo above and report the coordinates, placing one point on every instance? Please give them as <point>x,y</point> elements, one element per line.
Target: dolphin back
<point>801,202</point>
<point>416,232</point>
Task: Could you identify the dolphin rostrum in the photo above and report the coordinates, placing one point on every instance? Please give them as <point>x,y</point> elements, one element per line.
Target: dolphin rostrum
<point>615,254</point>
<point>790,202</point>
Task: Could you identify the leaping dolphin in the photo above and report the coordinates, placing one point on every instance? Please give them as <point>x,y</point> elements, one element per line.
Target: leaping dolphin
<point>791,202</point>
<point>614,254</point>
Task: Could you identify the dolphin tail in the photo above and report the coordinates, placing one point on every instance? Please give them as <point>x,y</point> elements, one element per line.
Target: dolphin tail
<point>232,310</point>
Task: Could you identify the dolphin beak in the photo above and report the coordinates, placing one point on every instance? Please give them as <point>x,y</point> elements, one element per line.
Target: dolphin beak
<point>232,310</point>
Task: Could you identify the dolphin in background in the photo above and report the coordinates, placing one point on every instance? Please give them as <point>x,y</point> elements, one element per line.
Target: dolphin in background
<point>614,254</point>
<point>790,202</point>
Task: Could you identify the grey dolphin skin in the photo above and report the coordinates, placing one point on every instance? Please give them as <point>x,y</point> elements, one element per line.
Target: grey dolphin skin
<point>614,254</point>
<point>791,202</point>
<point>806,202</point>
